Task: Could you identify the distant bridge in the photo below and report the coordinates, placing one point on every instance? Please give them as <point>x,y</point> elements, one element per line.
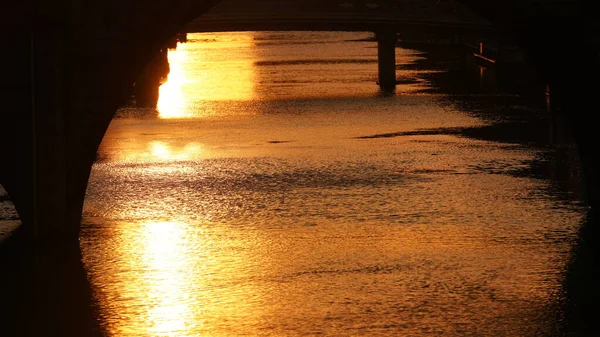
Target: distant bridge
<point>340,15</point>
<point>386,18</point>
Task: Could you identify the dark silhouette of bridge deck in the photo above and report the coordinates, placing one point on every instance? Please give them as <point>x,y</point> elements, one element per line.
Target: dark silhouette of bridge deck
<point>265,22</point>
<point>337,15</point>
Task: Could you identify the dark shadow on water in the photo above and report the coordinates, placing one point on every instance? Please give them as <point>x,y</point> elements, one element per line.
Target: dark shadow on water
<point>581,305</point>
<point>516,111</point>
<point>44,290</point>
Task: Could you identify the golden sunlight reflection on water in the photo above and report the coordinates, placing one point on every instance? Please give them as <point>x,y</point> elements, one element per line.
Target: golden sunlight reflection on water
<point>163,270</point>
<point>160,151</point>
<point>157,151</point>
<point>168,270</point>
<point>313,205</point>
<point>175,271</point>
<point>194,73</point>
<point>171,101</point>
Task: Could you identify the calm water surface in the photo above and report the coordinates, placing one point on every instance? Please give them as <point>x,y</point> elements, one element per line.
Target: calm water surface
<point>275,191</point>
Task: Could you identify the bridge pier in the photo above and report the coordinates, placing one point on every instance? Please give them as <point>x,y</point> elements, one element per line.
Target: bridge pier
<point>52,211</point>
<point>39,172</point>
<point>44,169</point>
<point>386,59</point>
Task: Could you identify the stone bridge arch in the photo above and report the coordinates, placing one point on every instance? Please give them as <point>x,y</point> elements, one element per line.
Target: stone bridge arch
<point>69,64</point>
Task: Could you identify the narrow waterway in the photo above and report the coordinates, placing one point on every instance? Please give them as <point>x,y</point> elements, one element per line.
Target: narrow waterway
<point>276,191</point>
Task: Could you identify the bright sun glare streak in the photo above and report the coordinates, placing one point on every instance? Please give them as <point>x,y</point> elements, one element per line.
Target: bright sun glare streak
<point>172,102</point>
<point>198,78</point>
<point>163,152</point>
<point>159,151</point>
<point>166,277</point>
<point>172,279</point>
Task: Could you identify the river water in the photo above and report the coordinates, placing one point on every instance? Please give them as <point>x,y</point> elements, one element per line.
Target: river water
<point>276,191</point>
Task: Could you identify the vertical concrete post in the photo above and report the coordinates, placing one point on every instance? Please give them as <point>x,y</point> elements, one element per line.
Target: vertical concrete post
<point>386,59</point>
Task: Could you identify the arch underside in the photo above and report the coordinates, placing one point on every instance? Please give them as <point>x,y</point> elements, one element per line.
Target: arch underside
<point>68,73</point>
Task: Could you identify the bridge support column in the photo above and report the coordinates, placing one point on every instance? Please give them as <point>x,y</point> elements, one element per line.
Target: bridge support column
<point>386,59</point>
<point>56,192</point>
<point>45,290</point>
<point>38,170</point>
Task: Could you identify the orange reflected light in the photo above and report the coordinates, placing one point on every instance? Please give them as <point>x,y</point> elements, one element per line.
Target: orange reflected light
<point>167,279</point>
<point>159,151</point>
<point>172,102</point>
<point>197,78</point>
